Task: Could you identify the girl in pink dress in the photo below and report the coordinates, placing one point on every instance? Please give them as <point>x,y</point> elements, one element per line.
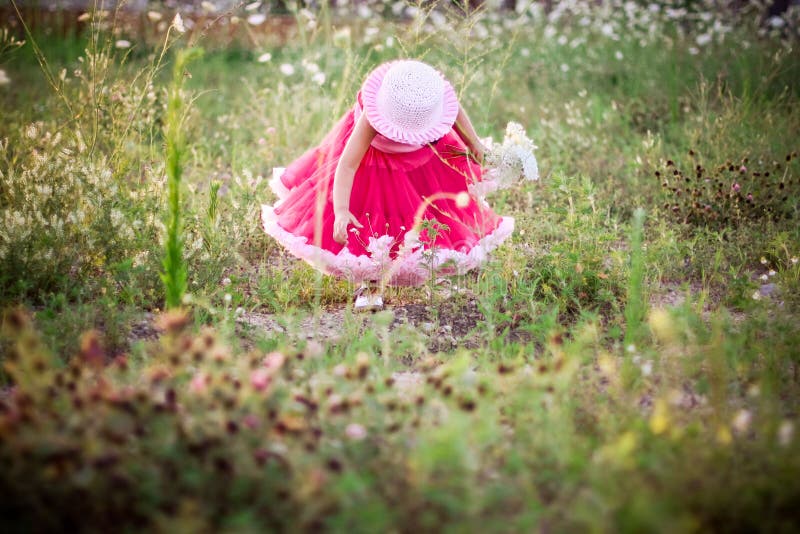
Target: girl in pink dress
<point>387,197</point>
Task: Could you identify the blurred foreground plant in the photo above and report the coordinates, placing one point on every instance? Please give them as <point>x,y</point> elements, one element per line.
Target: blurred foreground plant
<point>192,433</point>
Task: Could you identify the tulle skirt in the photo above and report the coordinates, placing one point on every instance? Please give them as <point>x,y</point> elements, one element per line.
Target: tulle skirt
<point>419,209</point>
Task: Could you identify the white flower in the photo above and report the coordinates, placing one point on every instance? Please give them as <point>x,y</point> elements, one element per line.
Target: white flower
<point>764,277</point>
<point>4,79</point>
<point>208,7</point>
<point>154,16</point>
<point>228,297</point>
<point>676,13</point>
<point>287,69</point>
<point>694,50</point>
<point>355,431</point>
<point>437,18</point>
<point>177,23</point>
<point>122,43</point>
<point>619,55</point>
<point>462,199</point>
<point>647,368</point>
<point>785,433</point>
<point>226,281</point>
<point>310,66</point>
<point>741,422</point>
<point>513,159</point>
<point>772,272</point>
<point>763,260</point>
<point>411,240</point>
<point>252,6</point>
<point>703,39</point>
<point>564,67</point>
<point>776,22</point>
<point>341,37</point>
<point>756,295</point>
<point>256,19</point>
<point>607,30</point>
<point>794,260</point>
<point>530,168</point>
<point>263,58</point>
<point>380,248</point>
<point>318,78</point>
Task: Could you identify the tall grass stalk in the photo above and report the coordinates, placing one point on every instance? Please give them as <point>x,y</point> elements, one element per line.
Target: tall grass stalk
<point>635,305</point>
<point>175,271</point>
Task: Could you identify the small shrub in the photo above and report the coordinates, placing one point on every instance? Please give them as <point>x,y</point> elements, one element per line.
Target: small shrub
<point>731,194</point>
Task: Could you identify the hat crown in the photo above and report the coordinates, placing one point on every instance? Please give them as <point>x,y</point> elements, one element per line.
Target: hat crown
<point>411,95</point>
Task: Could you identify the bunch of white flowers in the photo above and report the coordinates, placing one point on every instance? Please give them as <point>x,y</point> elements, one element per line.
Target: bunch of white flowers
<point>513,160</point>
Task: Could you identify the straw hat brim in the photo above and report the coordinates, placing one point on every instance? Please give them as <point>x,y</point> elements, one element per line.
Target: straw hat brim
<point>437,128</point>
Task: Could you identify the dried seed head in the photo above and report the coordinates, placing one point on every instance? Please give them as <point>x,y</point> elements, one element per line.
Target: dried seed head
<point>468,405</point>
<point>15,321</point>
<point>173,321</point>
<point>334,465</point>
<point>91,350</point>
<point>505,369</point>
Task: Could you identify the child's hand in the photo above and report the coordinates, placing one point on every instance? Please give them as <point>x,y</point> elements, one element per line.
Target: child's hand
<point>477,152</point>
<point>340,223</point>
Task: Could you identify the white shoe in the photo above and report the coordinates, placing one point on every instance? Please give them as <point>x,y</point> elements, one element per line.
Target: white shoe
<point>368,301</point>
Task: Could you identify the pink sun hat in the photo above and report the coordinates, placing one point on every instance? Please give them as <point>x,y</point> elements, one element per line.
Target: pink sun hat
<point>409,102</point>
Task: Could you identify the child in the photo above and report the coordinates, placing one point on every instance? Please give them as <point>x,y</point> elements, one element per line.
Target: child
<point>385,197</point>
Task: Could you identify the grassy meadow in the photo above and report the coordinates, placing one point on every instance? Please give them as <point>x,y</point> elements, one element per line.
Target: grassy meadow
<point>627,362</point>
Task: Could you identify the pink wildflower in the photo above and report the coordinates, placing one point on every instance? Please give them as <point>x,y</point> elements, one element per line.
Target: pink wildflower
<point>274,361</point>
<point>199,383</point>
<point>250,421</point>
<point>355,431</point>
<point>260,379</point>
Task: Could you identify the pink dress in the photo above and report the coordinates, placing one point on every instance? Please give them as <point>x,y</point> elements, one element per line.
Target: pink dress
<point>395,188</point>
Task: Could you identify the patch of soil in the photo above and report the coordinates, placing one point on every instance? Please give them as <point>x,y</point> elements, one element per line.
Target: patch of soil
<point>446,325</point>
<point>143,329</point>
<point>670,294</point>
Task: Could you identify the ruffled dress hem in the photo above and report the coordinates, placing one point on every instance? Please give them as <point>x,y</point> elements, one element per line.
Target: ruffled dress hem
<point>412,265</point>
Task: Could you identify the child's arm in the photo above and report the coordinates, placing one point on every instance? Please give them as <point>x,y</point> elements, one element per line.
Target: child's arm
<point>467,132</point>
<point>353,151</point>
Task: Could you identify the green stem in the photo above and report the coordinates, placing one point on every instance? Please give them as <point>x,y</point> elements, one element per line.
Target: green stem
<point>175,272</point>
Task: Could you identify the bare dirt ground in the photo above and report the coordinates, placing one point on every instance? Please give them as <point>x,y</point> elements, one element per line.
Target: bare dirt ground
<point>445,326</point>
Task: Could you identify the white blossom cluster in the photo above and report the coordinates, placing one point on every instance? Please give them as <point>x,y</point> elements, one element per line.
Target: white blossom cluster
<point>513,159</point>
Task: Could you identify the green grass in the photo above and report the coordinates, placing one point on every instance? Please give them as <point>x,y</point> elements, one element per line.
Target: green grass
<point>610,372</point>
